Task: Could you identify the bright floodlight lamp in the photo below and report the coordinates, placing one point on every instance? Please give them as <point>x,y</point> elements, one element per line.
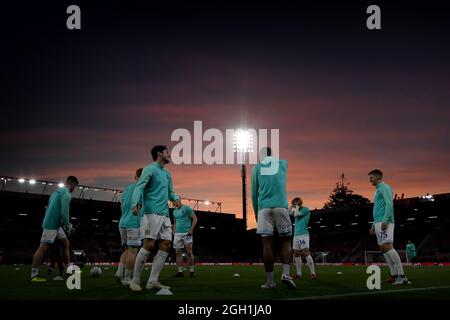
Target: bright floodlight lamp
<point>60,185</point>
<point>32,181</point>
<point>21,180</point>
<point>207,202</point>
<point>242,141</point>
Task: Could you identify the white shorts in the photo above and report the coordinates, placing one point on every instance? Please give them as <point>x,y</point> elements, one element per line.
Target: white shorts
<point>301,242</point>
<point>130,237</point>
<point>49,236</point>
<point>155,226</point>
<point>180,240</point>
<point>386,236</point>
<point>271,219</point>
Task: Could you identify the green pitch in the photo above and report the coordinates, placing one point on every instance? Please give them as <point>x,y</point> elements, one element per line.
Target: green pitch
<point>217,282</point>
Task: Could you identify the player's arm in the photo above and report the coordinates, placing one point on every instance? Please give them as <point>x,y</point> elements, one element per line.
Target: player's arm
<point>139,189</point>
<point>194,222</point>
<point>301,213</point>
<point>389,211</point>
<point>172,195</point>
<point>65,207</point>
<point>255,191</point>
<point>123,203</point>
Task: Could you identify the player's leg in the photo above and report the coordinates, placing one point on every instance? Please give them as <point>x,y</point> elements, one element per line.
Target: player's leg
<point>164,232</point>
<point>122,261</point>
<point>388,249</point>
<point>129,264</point>
<point>268,259</point>
<point>123,256</point>
<point>48,237</point>
<point>178,246</point>
<point>190,255</point>
<point>133,244</point>
<point>310,263</point>
<point>144,252</point>
<point>265,227</point>
<point>380,236</point>
<point>284,229</point>
<point>179,254</point>
<point>298,263</point>
<point>37,259</point>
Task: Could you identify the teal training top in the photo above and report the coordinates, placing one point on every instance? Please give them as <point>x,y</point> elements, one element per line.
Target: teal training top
<point>153,190</point>
<point>269,190</point>
<point>383,205</point>
<point>301,221</point>
<point>183,218</point>
<point>128,219</point>
<point>411,250</point>
<point>57,212</point>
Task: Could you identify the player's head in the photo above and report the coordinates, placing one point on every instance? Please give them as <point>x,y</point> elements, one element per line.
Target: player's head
<point>409,241</point>
<point>72,183</point>
<point>375,176</point>
<point>297,201</point>
<point>138,174</point>
<point>177,203</point>
<point>161,154</point>
<point>265,152</point>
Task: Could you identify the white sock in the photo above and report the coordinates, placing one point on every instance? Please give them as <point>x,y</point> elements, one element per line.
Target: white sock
<point>128,274</point>
<point>158,264</point>
<point>390,264</point>
<point>397,262</point>
<point>180,269</point>
<point>269,276</point>
<point>34,272</point>
<point>120,270</point>
<point>286,268</point>
<point>191,269</point>
<point>298,265</point>
<point>141,258</point>
<point>310,264</point>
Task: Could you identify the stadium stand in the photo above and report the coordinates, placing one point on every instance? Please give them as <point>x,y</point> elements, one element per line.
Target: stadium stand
<point>221,237</point>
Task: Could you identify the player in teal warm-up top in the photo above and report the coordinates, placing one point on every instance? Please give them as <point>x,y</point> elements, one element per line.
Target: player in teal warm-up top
<point>185,221</point>
<point>151,195</point>
<point>411,252</point>
<point>301,215</point>
<point>270,205</point>
<point>383,226</point>
<point>129,234</point>
<point>56,225</point>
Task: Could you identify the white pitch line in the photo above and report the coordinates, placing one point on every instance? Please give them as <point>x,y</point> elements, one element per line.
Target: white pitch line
<point>355,294</point>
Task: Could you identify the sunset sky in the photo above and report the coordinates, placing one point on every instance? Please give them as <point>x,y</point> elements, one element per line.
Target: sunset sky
<point>346,100</point>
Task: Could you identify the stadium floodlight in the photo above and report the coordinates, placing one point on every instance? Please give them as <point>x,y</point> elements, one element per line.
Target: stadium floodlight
<point>411,219</point>
<point>21,180</point>
<point>44,183</point>
<point>243,142</point>
<point>60,185</point>
<point>32,181</point>
<point>207,202</point>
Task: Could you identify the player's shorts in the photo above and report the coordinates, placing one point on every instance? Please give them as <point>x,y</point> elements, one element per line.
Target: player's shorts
<point>130,237</point>
<point>271,219</point>
<point>155,226</point>
<point>384,236</point>
<point>301,242</point>
<point>49,236</point>
<point>180,240</point>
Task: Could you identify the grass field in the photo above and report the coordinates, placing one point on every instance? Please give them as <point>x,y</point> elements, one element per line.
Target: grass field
<point>217,282</point>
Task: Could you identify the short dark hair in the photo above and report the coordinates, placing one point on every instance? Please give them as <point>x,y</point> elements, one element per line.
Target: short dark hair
<point>376,172</point>
<point>296,199</point>
<point>157,149</point>
<point>139,172</point>
<point>72,179</point>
